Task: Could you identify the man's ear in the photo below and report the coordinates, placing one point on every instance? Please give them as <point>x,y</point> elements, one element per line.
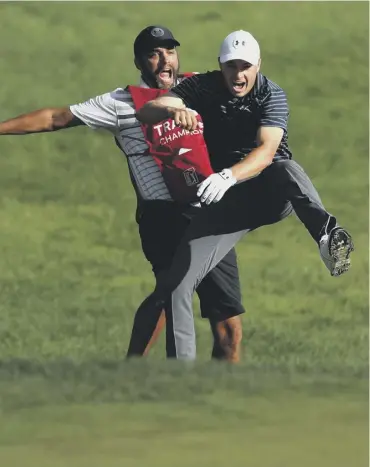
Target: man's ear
<point>259,65</point>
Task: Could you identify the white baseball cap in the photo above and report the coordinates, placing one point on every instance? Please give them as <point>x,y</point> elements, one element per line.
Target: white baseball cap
<point>240,45</point>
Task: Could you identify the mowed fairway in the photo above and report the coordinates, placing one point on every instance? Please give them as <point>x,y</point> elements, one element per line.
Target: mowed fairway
<point>72,272</point>
<point>321,432</point>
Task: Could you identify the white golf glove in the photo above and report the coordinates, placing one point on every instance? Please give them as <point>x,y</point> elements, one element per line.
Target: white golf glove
<point>213,188</point>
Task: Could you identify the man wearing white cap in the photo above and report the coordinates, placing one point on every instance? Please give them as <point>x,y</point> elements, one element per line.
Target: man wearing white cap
<point>245,127</point>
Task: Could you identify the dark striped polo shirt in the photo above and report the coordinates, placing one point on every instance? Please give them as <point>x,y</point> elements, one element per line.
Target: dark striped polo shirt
<point>231,123</point>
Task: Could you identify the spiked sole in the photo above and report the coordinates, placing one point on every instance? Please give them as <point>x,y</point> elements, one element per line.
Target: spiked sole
<point>340,247</point>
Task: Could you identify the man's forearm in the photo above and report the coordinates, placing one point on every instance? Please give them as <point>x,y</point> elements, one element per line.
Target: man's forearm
<point>153,112</point>
<point>50,119</point>
<point>253,164</point>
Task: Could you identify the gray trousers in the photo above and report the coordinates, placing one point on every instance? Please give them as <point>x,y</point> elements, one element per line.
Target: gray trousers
<point>216,229</point>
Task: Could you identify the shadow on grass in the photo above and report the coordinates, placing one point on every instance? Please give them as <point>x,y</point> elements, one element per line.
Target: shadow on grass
<point>25,383</point>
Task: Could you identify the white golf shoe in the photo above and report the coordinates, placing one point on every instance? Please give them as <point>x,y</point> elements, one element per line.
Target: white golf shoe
<point>335,249</point>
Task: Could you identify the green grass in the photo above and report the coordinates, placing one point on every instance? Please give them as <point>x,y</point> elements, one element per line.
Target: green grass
<point>72,272</point>
<point>132,414</point>
<point>331,433</point>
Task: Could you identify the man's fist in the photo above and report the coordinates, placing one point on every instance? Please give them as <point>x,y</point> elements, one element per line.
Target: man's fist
<point>184,118</point>
<point>215,186</point>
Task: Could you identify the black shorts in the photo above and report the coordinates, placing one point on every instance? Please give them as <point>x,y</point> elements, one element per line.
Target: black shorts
<point>161,227</point>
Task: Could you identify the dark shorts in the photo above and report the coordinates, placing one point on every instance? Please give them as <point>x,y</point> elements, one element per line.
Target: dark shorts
<point>161,227</point>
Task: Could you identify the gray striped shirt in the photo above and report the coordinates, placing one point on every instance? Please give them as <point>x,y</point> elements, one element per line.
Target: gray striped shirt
<point>115,112</point>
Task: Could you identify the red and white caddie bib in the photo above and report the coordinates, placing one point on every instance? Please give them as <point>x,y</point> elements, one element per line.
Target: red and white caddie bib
<point>181,155</point>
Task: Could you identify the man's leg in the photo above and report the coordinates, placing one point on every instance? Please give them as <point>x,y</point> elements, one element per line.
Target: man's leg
<point>293,183</point>
<point>209,237</point>
<point>145,331</point>
<point>161,324</point>
<point>159,227</point>
<point>174,293</point>
<point>161,230</point>
<point>193,260</point>
<point>334,242</point>
<point>221,302</point>
<point>227,336</point>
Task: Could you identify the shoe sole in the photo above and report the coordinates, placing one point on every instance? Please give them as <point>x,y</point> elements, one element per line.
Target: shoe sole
<point>340,247</point>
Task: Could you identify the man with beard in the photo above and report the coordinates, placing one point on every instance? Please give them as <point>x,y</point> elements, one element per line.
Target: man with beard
<point>257,183</point>
<point>162,219</point>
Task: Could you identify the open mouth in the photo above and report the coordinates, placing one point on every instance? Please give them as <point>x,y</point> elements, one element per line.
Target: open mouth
<point>239,86</point>
<point>165,75</point>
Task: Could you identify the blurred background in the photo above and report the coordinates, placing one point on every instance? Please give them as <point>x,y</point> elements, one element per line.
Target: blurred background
<point>72,272</point>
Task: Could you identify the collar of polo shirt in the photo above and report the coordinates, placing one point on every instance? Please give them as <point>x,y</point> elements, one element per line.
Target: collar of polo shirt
<point>257,85</point>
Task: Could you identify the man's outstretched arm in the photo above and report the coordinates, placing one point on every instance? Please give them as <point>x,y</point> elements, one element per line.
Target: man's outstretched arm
<point>39,121</point>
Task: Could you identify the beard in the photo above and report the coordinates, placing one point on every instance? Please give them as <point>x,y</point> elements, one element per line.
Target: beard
<point>154,81</point>
<point>164,85</point>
